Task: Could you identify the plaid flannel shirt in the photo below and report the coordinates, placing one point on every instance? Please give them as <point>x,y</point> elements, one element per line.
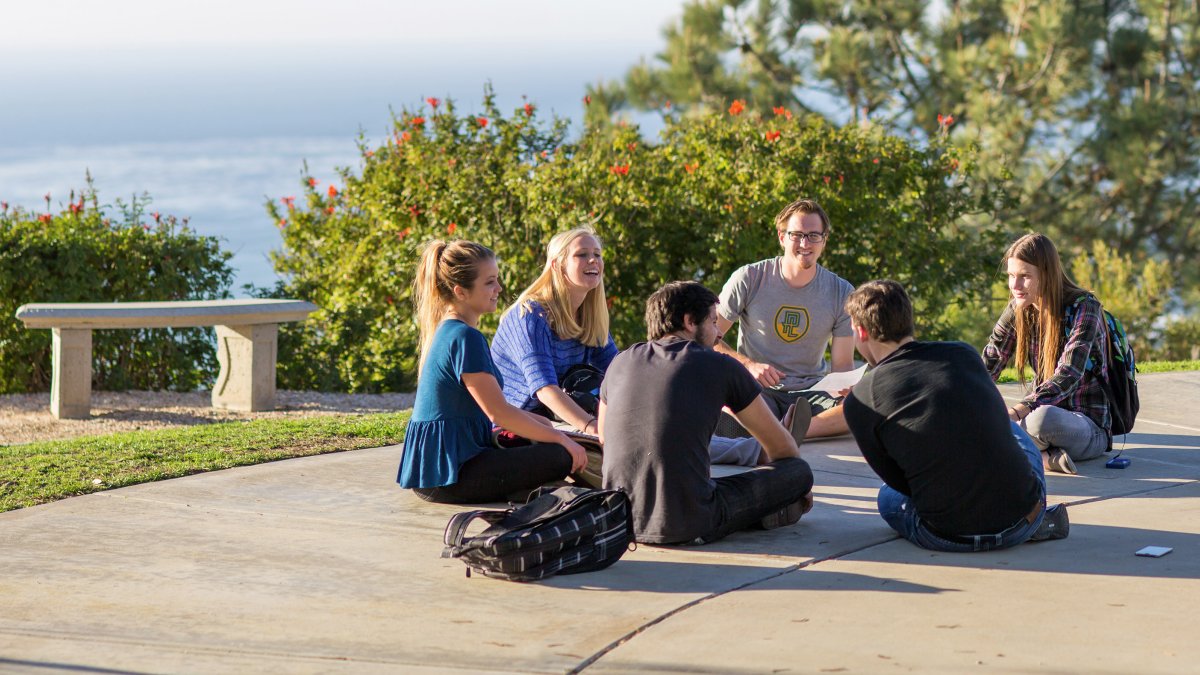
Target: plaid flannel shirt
<point>1074,385</point>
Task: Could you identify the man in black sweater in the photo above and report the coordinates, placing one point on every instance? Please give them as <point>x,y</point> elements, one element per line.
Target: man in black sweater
<point>958,474</point>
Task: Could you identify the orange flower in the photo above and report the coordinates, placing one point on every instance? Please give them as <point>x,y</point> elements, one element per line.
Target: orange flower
<point>945,120</point>
<point>289,202</point>
<point>333,191</point>
<point>45,218</point>
<point>282,222</point>
<point>781,111</point>
<point>482,121</point>
<point>312,182</point>
<point>405,136</point>
<point>403,233</point>
<point>953,165</point>
<point>772,135</point>
<point>619,169</point>
<point>451,228</point>
<point>528,110</point>
<point>433,102</point>
<point>370,154</point>
<point>691,168</point>
<point>737,107</point>
<point>329,210</point>
<point>451,162</point>
<point>417,122</point>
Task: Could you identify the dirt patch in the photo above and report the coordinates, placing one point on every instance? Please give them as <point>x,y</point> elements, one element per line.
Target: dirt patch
<point>26,417</point>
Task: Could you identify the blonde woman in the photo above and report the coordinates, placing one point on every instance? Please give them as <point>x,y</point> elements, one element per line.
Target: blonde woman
<point>560,321</point>
<point>1057,328</point>
<point>448,453</point>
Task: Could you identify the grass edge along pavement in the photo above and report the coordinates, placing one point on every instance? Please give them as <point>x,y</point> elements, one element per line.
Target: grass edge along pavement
<point>36,473</point>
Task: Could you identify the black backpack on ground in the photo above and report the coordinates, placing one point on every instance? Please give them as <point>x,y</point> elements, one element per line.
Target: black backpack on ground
<point>1121,384</point>
<point>565,531</point>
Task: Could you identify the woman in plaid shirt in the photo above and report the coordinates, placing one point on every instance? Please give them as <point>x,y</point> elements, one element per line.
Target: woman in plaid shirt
<point>1056,328</point>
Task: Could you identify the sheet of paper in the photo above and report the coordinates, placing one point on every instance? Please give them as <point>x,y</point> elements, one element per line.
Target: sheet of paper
<point>835,382</point>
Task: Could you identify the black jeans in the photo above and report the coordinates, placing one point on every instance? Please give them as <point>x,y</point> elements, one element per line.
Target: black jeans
<point>496,474</point>
<point>746,498</point>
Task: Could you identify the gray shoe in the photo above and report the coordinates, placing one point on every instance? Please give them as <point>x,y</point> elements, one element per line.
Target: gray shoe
<point>1055,524</point>
<point>1061,462</point>
<point>788,515</point>
<point>801,418</point>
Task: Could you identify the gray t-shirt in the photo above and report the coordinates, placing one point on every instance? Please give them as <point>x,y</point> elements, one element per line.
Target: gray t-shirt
<point>662,401</point>
<point>787,327</point>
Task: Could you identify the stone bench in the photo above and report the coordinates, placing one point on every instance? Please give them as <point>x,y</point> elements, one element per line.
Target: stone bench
<point>247,333</point>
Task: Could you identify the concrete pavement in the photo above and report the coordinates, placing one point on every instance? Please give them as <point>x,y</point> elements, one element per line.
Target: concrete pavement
<point>322,564</point>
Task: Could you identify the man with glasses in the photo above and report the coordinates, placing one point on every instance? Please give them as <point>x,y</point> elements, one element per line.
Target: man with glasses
<point>789,308</point>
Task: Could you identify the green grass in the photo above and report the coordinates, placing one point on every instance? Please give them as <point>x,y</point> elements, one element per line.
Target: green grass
<point>36,473</point>
<point>1009,375</point>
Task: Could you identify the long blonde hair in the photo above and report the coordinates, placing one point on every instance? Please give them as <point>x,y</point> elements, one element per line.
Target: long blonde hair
<point>1055,292</point>
<point>552,291</point>
<point>443,265</point>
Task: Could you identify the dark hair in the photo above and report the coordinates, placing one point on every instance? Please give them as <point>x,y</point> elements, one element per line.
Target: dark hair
<point>1056,291</point>
<point>883,309</point>
<point>801,206</point>
<point>667,307</point>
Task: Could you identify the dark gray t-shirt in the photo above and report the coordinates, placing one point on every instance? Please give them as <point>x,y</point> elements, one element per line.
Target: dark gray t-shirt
<point>786,327</point>
<point>930,422</point>
<point>662,401</point>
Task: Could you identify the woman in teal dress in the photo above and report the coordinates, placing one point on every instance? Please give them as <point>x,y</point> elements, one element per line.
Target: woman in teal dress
<point>449,456</point>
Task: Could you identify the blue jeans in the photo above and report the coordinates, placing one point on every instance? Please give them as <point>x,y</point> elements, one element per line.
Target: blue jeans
<point>898,512</point>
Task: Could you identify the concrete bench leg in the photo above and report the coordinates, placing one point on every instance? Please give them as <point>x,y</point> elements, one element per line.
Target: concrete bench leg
<point>71,383</point>
<point>247,356</point>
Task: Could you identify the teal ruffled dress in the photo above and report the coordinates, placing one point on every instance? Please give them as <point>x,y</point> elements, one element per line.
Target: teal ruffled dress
<point>447,426</point>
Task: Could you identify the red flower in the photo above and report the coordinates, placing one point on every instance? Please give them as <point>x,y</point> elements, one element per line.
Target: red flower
<point>405,137</point>
<point>414,211</point>
<point>45,218</point>
<point>691,168</point>
<point>333,191</point>
<point>772,135</point>
<point>875,161</point>
<point>145,227</point>
<point>329,210</point>
<point>482,121</point>
<point>953,165</point>
<point>369,154</point>
<point>3,206</point>
<point>827,180</point>
<point>841,179</point>
<point>403,233</point>
<point>632,147</point>
<point>289,202</point>
<point>945,120</point>
<point>529,110</point>
<point>156,215</point>
<point>451,228</point>
<point>609,302</point>
<point>619,169</point>
<point>781,111</point>
<point>312,182</point>
<point>282,222</point>
<point>667,105</point>
<point>417,122</point>
<point>587,100</point>
<point>433,102</point>
<point>545,154</point>
<point>389,299</point>
<point>737,107</point>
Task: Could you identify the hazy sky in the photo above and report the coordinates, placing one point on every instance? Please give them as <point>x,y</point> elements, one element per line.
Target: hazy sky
<point>123,71</point>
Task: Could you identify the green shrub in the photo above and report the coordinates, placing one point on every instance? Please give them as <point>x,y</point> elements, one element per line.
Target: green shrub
<point>83,255</point>
<point>695,205</point>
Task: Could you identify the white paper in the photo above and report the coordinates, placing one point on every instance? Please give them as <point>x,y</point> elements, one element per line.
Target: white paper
<point>834,383</point>
<point>1154,551</point>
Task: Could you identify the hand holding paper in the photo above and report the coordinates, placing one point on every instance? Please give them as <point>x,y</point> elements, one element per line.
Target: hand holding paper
<point>835,383</point>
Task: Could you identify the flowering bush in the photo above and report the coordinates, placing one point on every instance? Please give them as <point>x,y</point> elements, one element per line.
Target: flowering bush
<point>82,255</point>
<point>695,205</point>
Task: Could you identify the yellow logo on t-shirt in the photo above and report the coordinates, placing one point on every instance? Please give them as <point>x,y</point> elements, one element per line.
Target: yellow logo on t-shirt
<point>791,323</point>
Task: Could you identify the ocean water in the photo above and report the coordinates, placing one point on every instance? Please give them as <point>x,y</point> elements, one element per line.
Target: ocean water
<point>221,185</point>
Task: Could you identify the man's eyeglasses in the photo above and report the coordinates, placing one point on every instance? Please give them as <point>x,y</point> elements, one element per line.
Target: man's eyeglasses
<point>812,237</point>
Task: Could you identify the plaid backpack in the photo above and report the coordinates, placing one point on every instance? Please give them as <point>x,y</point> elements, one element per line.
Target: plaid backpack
<point>565,531</point>
<point>1121,384</point>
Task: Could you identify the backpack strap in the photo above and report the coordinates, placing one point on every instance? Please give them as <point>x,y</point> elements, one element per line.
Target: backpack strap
<point>457,526</point>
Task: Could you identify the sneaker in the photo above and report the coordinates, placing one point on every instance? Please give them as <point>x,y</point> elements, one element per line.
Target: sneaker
<point>1055,524</point>
<point>797,419</point>
<point>788,515</point>
<point>1061,462</point>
